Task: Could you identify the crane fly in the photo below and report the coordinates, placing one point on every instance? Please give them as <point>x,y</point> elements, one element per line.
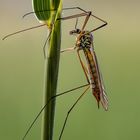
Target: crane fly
<point>84,43</point>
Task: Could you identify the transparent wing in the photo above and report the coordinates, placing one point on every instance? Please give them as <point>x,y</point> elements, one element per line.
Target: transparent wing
<point>103,95</point>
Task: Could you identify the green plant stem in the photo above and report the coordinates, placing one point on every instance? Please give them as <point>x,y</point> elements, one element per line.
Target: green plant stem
<point>51,75</point>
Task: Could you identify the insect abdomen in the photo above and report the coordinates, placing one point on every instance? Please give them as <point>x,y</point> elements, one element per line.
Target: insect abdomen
<point>93,74</point>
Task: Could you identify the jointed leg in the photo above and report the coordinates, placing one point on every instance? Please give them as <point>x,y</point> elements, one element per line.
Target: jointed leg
<point>98,28</point>
<point>73,16</point>
<point>49,100</point>
<point>86,12</point>
<point>83,66</point>
<point>69,8</point>
<point>85,22</point>
<point>23,31</point>
<point>68,49</point>
<point>105,23</point>
<point>68,113</point>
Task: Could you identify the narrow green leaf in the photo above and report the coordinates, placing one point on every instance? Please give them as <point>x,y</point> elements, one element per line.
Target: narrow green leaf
<point>40,8</point>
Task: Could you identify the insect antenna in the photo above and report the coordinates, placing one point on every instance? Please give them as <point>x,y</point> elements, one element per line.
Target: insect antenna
<point>76,23</point>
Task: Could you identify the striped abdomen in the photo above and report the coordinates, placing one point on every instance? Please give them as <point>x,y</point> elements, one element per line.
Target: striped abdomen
<point>84,42</point>
<point>94,77</point>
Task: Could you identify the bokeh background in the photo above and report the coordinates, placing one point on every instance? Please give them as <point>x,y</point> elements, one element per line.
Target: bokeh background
<point>22,74</point>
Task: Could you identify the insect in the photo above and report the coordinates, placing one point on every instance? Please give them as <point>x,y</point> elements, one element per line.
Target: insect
<point>84,43</point>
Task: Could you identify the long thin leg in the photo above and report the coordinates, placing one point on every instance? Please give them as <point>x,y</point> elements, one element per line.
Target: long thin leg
<point>81,62</point>
<point>23,31</point>
<point>84,68</point>
<point>52,98</point>
<point>105,23</point>
<point>86,12</point>
<point>64,18</point>
<point>86,20</point>
<point>68,49</point>
<point>68,8</point>
<point>29,13</point>
<point>73,16</point>
<point>98,28</point>
<point>68,113</point>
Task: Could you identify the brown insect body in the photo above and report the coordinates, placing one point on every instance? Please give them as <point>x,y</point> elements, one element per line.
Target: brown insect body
<point>85,42</point>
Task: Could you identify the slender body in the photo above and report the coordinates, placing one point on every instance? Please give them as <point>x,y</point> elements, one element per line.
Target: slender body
<point>84,42</point>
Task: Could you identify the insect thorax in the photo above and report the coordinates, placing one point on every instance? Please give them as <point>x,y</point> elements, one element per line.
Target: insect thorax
<point>84,40</point>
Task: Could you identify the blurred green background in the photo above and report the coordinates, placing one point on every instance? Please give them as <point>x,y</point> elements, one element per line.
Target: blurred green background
<point>22,70</point>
